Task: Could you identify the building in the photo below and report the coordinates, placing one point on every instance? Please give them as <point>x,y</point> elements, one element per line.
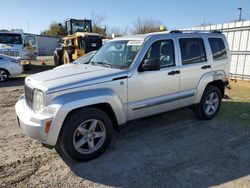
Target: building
<point>238,36</point>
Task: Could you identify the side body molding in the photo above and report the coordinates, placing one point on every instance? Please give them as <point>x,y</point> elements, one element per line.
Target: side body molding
<point>68,102</point>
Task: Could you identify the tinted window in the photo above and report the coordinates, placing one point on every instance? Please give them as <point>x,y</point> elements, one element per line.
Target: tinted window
<point>192,50</point>
<point>163,50</point>
<point>8,38</point>
<point>218,48</point>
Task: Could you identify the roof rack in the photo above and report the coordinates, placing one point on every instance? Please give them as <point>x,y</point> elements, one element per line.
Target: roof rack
<point>175,31</point>
<point>194,31</point>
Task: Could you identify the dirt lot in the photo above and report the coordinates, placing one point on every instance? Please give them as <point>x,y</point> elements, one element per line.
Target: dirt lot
<point>170,150</point>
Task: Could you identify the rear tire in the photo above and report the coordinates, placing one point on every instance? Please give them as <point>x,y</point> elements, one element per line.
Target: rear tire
<point>85,135</point>
<point>57,59</point>
<point>67,57</point>
<point>210,103</point>
<point>4,75</point>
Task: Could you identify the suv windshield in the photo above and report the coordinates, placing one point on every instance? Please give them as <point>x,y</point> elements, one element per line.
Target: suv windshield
<point>7,38</point>
<point>117,54</point>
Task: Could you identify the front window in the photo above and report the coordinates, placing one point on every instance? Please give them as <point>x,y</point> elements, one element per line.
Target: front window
<point>117,54</point>
<point>8,38</point>
<point>30,40</point>
<point>81,26</point>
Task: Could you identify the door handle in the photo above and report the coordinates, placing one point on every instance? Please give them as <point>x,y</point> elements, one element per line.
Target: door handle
<point>174,72</point>
<point>206,67</point>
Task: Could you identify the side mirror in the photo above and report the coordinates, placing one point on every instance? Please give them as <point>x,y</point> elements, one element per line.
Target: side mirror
<point>151,64</point>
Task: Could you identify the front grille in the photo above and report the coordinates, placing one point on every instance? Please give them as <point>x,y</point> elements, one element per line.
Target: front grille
<point>29,93</point>
<point>13,53</point>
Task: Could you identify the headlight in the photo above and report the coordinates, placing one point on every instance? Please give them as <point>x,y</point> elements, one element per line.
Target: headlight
<point>38,101</point>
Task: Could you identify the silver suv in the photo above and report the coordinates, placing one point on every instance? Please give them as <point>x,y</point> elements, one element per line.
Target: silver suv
<point>76,107</point>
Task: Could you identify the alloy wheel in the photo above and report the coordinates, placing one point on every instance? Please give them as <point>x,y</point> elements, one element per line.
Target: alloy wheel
<point>212,103</point>
<point>89,136</point>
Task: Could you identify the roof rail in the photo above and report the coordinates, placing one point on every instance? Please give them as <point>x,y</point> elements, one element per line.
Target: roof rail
<point>195,31</point>
<point>175,31</point>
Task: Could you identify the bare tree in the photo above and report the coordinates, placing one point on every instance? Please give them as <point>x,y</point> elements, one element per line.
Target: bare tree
<point>118,31</point>
<point>97,21</point>
<point>142,26</point>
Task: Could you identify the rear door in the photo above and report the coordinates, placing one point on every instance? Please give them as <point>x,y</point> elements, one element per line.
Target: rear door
<point>194,65</point>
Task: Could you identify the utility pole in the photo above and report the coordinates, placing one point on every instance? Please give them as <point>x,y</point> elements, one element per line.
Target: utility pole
<point>240,9</point>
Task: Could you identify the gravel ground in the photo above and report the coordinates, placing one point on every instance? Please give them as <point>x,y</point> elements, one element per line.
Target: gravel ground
<point>169,150</point>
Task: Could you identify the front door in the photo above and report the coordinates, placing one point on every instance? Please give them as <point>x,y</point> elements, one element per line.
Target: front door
<point>29,51</point>
<point>151,92</point>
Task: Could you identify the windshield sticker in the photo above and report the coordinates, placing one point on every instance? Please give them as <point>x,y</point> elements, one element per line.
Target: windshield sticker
<point>135,43</point>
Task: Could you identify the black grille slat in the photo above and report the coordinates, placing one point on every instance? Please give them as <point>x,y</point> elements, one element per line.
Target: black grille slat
<point>29,93</point>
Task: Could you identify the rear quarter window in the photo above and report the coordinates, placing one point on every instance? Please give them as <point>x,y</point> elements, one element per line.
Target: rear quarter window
<point>218,48</point>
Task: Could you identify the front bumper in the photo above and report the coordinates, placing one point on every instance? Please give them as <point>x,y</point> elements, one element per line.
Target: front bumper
<point>32,124</point>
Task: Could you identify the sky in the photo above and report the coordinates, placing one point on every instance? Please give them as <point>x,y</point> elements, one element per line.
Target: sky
<point>36,15</point>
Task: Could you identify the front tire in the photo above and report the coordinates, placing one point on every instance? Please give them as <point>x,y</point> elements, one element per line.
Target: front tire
<point>86,134</point>
<point>4,75</point>
<point>210,103</point>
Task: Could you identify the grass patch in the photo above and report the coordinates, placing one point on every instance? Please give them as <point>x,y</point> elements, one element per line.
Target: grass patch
<point>237,108</point>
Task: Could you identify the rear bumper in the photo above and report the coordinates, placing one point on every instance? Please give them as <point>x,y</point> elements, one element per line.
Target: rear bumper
<point>226,83</point>
<point>16,69</point>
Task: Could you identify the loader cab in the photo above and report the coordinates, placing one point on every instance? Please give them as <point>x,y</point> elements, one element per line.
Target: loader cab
<point>79,41</point>
<point>76,25</point>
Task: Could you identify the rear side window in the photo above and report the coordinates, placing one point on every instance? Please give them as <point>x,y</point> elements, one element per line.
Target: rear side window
<point>192,50</point>
<point>218,48</point>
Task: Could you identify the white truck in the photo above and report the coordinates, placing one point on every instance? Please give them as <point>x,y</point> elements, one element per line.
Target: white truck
<point>16,44</point>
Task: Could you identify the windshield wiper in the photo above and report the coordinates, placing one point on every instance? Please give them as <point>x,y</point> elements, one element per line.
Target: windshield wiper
<point>102,63</point>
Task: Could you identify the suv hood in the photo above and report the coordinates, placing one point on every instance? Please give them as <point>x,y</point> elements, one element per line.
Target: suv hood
<point>72,76</point>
